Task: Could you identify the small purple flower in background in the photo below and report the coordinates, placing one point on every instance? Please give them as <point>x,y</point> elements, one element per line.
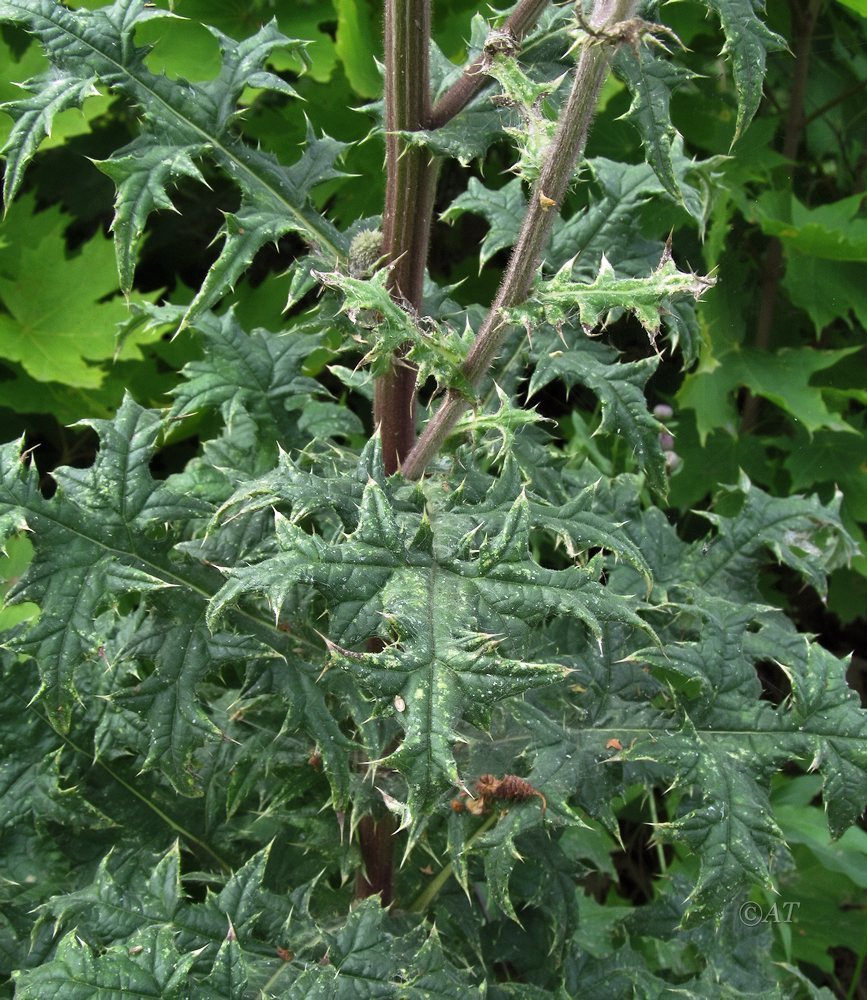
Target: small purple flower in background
<point>662,411</point>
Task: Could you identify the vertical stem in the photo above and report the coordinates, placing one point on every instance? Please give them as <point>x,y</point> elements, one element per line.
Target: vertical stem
<point>375,838</point>
<point>409,194</point>
<point>545,201</point>
<point>410,186</point>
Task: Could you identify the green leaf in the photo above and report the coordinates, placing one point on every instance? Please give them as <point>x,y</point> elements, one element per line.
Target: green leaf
<point>441,615</point>
<point>561,298</point>
<point>827,290</point>
<point>748,41</point>
<point>831,457</point>
<point>651,81</point>
<point>607,227</point>
<point>858,6</point>
<point>329,420</point>
<point>356,45</point>
<point>60,312</point>
<point>113,908</point>
<point>813,238</point>
<point>783,378</point>
<point>705,711</point>
<point>831,232</point>
<point>619,386</point>
<point>179,48</point>
<point>503,209</point>
<point>16,553</point>
<point>808,826</point>
<point>97,45</point>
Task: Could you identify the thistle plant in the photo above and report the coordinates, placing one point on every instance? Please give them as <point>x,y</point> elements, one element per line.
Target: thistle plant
<point>336,721</point>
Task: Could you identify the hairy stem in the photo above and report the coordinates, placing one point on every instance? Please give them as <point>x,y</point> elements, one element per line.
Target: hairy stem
<point>473,80</point>
<point>545,201</point>
<point>410,186</point>
<point>772,269</point>
<point>409,194</point>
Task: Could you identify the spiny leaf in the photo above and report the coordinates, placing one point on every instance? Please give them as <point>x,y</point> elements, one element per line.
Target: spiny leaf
<point>141,176</point>
<point>801,532</point>
<point>188,119</point>
<point>606,226</point>
<point>305,491</point>
<point>748,41</point>
<point>728,822</point>
<point>619,387</point>
<point>733,837</point>
<point>115,909</point>
<point>88,536</point>
<point>502,423</point>
<point>260,370</point>
<point>470,134</point>
<point>696,723</point>
<point>182,654</point>
<point>561,297</point>
<point>536,130</point>
<point>51,93</point>
<point>651,79</point>
<point>502,208</point>
<point>435,350</point>
<point>442,662</point>
<point>262,219</point>
<point>363,949</point>
<point>155,970</point>
<point>33,786</point>
<point>829,712</point>
<point>104,533</point>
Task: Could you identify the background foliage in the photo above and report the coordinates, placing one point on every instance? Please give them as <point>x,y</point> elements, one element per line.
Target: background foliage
<point>767,378</point>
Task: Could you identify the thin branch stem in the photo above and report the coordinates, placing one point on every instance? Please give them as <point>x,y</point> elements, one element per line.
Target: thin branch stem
<point>545,201</point>
<point>473,80</point>
<point>823,109</point>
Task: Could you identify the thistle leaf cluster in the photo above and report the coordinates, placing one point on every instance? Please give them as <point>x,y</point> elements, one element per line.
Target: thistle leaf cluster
<point>236,672</point>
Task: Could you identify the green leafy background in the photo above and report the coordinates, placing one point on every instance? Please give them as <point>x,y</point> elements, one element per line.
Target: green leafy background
<point>180,772</point>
